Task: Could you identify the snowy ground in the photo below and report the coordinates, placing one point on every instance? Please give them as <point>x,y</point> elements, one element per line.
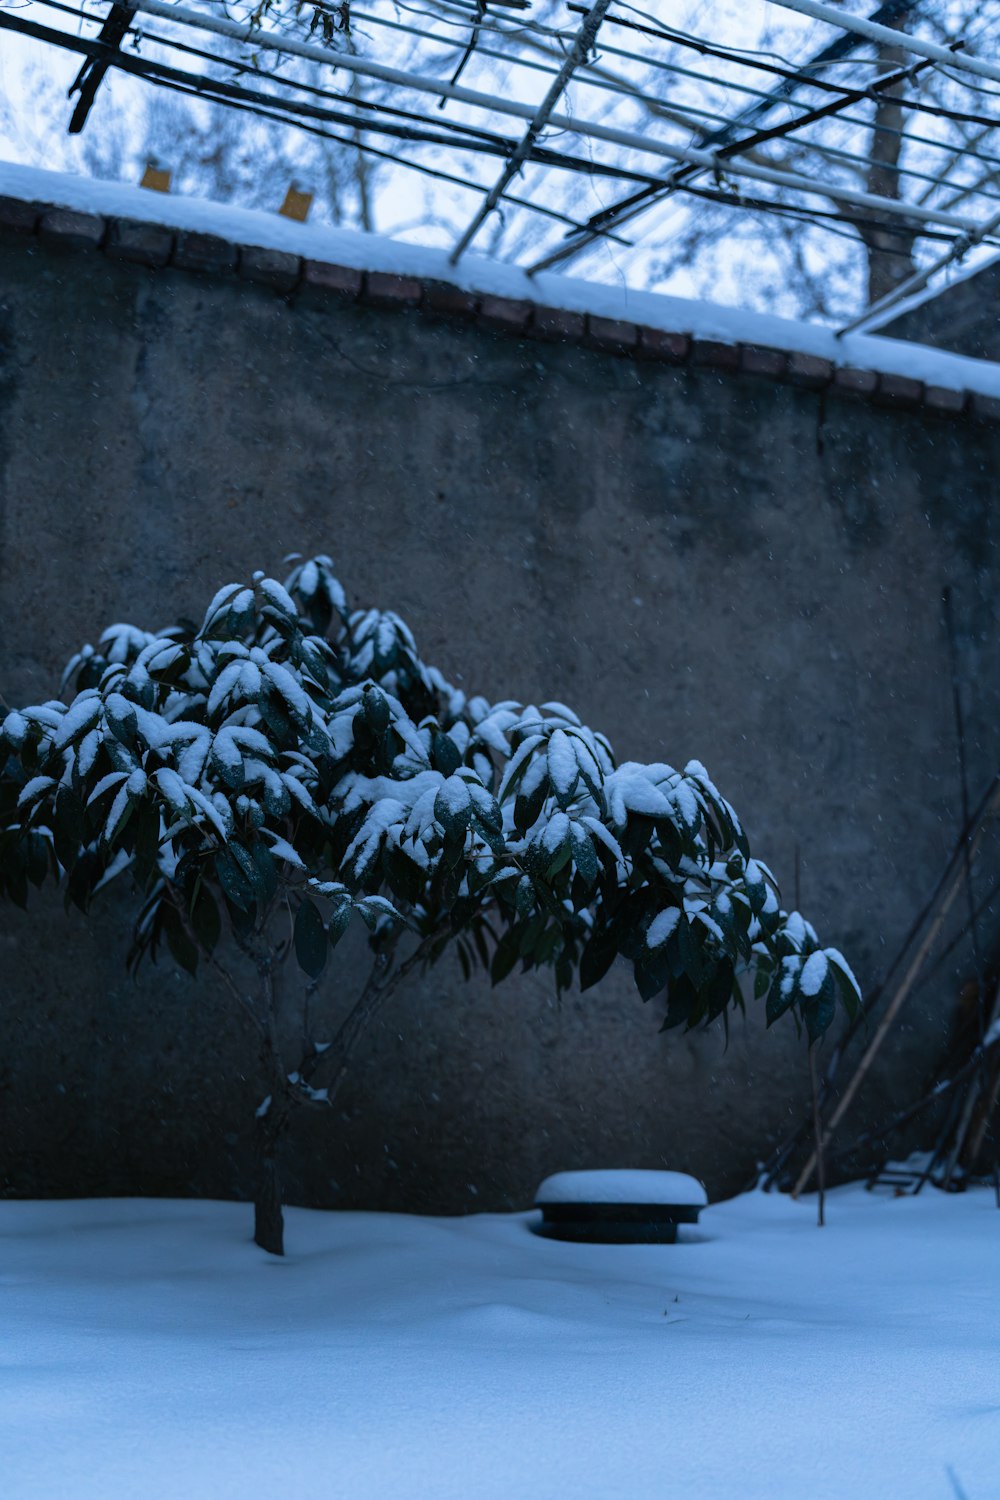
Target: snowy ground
<point>148,1350</point>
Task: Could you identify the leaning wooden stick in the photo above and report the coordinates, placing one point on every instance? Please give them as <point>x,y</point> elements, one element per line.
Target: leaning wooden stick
<point>972,1098</point>
<point>905,986</point>
<point>792,1142</point>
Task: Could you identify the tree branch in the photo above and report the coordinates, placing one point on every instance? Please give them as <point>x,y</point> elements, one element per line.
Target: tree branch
<point>379,987</point>
<point>243,1001</point>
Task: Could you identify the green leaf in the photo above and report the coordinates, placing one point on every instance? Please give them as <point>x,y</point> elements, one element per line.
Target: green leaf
<point>14,873</point>
<point>508,951</point>
<point>524,897</point>
<point>762,979</point>
<point>265,872</point>
<point>67,826</point>
<point>147,840</point>
<point>339,923</point>
<point>277,718</point>
<point>310,939</point>
<point>531,933</point>
<point>560,859</point>
<point>248,866</point>
<point>652,972</point>
<point>233,880</point>
<point>596,959</point>
<point>445,754</point>
<point>584,853</point>
<point>37,859</point>
<point>782,995</point>
<point>453,807</point>
<point>405,877</point>
<point>205,919</point>
<point>84,876</point>
<point>682,998</point>
<point>527,809</point>
<point>376,709</point>
<point>179,940</point>
<point>121,718</point>
<point>819,1010</point>
<point>850,995</point>
<point>685,956</point>
<point>718,991</point>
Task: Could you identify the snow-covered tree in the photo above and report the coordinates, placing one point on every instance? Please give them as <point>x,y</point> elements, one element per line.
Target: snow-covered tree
<point>289,765</point>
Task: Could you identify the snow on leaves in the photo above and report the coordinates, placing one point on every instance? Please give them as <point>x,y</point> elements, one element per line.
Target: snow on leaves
<point>289,752</point>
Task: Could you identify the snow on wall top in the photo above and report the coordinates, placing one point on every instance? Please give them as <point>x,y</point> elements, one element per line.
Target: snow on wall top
<point>904,373</point>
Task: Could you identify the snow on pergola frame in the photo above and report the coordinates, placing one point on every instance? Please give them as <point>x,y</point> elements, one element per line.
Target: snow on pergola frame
<point>685,115</point>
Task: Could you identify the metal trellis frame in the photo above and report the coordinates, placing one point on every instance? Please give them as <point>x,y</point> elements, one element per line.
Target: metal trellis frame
<point>641,115</point>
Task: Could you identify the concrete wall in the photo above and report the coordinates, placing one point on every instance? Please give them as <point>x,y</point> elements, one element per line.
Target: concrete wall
<point>964,318</point>
<point>704,564</point>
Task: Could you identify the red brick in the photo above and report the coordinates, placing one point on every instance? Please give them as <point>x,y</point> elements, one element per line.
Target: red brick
<point>449,301</point>
<point>899,390</point>
<point>756,359</point>
<point>714,355</point>
<point>274,268</point>
<point>383,289</point>
<point>809,370</point>
<point>342,281</point>
<point>671,348</point>
<point>203,252</point>
<point>558,325</point>
<point>20,217</point>
<point>986,407</point>
<point>861,382</point>
<point>940,398</point>
<point>612,334</point>
<point>70,230</point>
<point>505,312</point>
<point>145,244</point>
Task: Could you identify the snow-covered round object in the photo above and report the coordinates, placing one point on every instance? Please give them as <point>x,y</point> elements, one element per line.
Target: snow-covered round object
<point>632,1186</point>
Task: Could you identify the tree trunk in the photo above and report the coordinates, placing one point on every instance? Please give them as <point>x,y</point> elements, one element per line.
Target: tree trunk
<point>268,1219</point>
<point>890,250</point>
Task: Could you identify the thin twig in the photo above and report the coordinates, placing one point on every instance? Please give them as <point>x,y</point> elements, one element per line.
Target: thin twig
<point>244,1003</point>
<point>379,987</point>
<point>818,1132</point>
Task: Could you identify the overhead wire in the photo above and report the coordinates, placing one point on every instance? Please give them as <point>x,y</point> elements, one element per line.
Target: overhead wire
<point>627,90</point>
<point>639,203</point>
<point>575,125</point>
<point>235,95</point>
<point>672,34</point>
<point>479,139</point>
<point>476,134</point>
<point>456,132</point>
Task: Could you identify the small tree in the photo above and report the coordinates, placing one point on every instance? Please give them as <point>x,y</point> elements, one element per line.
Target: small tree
<point>286,765</point>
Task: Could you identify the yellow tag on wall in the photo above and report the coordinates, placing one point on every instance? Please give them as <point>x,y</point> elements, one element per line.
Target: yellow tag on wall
<point>297,204</point>
<point>157,178</point>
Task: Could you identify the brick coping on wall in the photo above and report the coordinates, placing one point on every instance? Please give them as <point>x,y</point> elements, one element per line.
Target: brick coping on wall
<point>157,245</point>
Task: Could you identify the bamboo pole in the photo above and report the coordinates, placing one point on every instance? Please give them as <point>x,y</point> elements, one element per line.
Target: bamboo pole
<point>896,1003</point>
